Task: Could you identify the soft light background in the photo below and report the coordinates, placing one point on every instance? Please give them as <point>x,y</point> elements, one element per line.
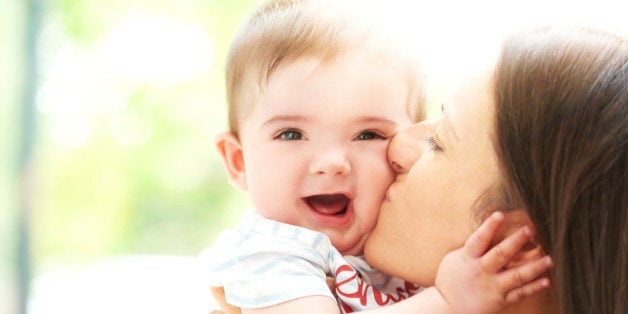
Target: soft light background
<point>124,187</point>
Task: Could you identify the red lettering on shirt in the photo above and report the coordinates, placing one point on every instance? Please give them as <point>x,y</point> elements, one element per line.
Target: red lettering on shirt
<point>364,290</point>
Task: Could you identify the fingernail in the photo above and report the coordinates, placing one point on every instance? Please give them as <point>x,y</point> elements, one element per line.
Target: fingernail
<point>548,261</point>
<point>545,283</point>
<point>527,231</point>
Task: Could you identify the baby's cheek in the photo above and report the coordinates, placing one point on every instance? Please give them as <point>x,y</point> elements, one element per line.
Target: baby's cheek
<point>383,177</point>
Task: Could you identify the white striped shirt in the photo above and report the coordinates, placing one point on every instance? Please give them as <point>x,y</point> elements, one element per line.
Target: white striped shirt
<point>264,262</point>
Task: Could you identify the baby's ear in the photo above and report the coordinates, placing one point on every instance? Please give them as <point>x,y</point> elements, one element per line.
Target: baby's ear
<point>230,150</point>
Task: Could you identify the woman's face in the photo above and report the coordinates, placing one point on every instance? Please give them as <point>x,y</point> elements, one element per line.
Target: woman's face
<point>443,167</point>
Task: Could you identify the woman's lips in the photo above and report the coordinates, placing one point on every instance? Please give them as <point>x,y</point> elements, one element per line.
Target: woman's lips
<point>329,208</point>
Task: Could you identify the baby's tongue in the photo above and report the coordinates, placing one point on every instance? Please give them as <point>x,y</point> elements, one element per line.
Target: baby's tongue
<point>328,204</point>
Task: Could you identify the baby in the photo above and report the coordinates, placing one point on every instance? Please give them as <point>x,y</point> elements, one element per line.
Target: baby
<point>315,94</point>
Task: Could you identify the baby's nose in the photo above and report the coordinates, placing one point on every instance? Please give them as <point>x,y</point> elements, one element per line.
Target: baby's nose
<point>332,161</point>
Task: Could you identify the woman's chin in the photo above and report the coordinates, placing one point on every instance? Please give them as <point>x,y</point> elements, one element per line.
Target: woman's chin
<point>375,254</point>
<point>378,253</point>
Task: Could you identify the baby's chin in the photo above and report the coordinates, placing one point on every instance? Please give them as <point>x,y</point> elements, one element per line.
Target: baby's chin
<point>354,248</point>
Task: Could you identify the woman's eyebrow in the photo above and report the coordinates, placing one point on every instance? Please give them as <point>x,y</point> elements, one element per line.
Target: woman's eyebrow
<point>447,122</point>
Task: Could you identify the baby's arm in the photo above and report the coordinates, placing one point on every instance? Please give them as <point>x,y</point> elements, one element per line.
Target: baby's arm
<point>473,280</point>
<point>311,304</point>
<point>219,295</point>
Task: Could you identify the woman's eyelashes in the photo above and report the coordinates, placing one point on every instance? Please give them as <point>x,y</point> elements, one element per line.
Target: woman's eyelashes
<point>431,144</point>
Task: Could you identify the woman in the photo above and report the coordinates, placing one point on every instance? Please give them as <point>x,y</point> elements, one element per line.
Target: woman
<point>543,136</point>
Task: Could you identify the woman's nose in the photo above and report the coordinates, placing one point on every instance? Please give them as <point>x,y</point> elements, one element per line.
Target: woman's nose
<point>332,161</point>
<point>407,146</point>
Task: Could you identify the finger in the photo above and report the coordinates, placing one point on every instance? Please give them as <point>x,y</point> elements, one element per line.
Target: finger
<point>480,239</point>
<point>521,275</point>
<point>331,284</point>
<point>499,255</point>
<point>529,289</point>
<point>220,297</point>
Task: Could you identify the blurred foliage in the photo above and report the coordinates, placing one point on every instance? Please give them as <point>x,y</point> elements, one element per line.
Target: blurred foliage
<point>11,26</point>
<point>125,163</point>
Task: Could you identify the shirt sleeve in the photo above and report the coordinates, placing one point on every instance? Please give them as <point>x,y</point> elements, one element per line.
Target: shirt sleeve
<point>260,269</point>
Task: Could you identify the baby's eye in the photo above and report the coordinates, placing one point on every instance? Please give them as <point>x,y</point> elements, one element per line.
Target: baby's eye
<point>290,135</point>
<point>432,145</point>
<point>369,135</point>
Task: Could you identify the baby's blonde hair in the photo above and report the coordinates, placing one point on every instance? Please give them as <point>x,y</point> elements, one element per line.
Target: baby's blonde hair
<point>281,31</point>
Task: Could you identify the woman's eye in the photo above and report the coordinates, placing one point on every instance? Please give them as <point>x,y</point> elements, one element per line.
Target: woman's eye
<point>368,135</point>
<point>290,135</point>
<point>432,145</point>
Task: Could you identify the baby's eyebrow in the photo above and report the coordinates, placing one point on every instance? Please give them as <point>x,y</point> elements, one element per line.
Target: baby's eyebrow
<point>285,118</point>
<point>374,119</point>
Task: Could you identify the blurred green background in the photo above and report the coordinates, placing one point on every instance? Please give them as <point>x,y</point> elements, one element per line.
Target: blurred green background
<point>127,96</point>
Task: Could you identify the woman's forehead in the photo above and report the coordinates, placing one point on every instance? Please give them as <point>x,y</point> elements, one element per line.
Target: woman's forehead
<point>469,108</point>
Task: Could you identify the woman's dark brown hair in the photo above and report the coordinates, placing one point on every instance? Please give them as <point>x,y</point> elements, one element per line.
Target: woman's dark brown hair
<point>562,137</point>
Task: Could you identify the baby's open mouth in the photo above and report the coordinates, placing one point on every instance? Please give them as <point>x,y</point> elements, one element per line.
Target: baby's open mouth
<point>328,204</point>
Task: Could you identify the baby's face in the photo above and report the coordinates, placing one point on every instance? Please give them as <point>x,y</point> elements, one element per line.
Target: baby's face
<point>315,145</point>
